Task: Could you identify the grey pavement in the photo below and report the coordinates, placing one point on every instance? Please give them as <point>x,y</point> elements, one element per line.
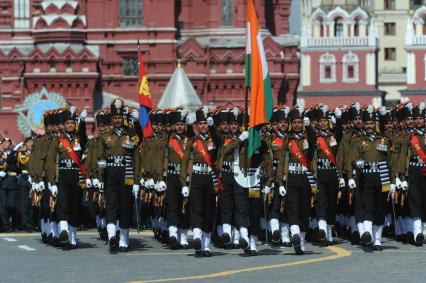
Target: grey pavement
<point>23,258</point>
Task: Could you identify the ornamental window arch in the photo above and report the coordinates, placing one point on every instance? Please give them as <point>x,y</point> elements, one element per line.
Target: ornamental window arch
<point>350,62</point>
<point>327,68</point>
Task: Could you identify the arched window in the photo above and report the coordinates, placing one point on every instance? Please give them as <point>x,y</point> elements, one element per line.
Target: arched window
<point>227,13</point>
<point>321,28</point>
<point>130,13</point>
<point>350,63</point>
<point>338,27</point>
<point>21,13</point>
<point>327,68</point>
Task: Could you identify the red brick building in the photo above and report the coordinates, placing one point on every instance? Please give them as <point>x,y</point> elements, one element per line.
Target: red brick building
<point>86,51</point>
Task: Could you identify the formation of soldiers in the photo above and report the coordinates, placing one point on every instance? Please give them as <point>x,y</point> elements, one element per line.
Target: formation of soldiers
<point>355,172</point>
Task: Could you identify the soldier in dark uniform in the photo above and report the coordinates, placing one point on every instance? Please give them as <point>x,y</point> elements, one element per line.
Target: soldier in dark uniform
<point>21,158</point>
<point>300,182</point>
<point>327,175</point>
<point>370,157</point>
<point>279,148</point>
<point>8,186</point>
<point>354,210</point>
<point>414,147</point>
<point>201,184</point>
<point>122,173</point>
<point>177,205</point>
<point>66,175</point>
<point>95,182</point>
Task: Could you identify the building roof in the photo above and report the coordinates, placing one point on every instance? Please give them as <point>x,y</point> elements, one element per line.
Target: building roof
<point>179,92</point>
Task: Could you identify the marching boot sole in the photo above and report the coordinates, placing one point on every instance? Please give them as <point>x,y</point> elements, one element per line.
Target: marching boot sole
<point>366,238</point>
<point>276,237</point>
<point>419,240</point>
<point>296,244</point>
<point>243,244</point>
<point>113,244</point>
<point>197,244</point>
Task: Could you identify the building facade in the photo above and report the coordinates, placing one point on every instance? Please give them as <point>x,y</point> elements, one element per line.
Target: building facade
<point>339,50</point>
<point>87,51</point>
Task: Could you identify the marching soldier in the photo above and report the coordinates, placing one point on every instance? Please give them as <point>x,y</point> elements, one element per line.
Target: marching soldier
<point>300,183</point>
<point>202,184</point>
<point>66,175</point>
<point>7,186</point>
<point>118,148</point>
<point>328,178</point>
<point>177,204</point>
<point>414,148</point>
<point>370,157</point>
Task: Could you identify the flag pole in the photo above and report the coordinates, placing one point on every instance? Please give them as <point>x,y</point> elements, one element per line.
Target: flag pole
<point>139,62</point>
<point>246,129</point>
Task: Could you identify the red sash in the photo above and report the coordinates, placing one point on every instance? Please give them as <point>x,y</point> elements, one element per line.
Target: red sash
<point>71,153</point>
<point>227,141</point>
<point>415,144</point>
<point>326,150</point>
<point>207,159</point>
<point>298,153</point>
<point>174,143</point>
<point>278,141</point>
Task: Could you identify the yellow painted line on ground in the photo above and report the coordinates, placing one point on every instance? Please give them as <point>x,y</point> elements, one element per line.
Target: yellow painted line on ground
<point>2,235</point>
<point>338,253</point>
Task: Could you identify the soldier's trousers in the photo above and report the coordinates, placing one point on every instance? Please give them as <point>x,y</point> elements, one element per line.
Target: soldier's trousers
<point>7,200</point>
<point>118,197</point>
<point>45,211</point>
<point>234,208</point>
<point>417,193</point>
<point>175,200</point>
<point>202,202</point>
<point>372,199</point>
<point>325,206</point>
<point>298,200</point>
<point>24,201</point>
<point>255,213</point>
<point>276,205</point>
<point>70,197</point>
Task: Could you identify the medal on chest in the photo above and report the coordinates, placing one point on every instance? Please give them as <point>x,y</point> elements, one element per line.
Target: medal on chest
<point>128,143</point>
<point>305,144</point>
<point>210,145</point>
<point>382,146</point>
<point>332,141</point>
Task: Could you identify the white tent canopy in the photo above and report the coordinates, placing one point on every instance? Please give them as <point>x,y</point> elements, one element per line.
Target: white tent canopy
<point>179,92</point>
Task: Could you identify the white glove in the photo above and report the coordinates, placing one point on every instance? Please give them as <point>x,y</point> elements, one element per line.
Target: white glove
<point>151,184</point>
<point>101,187</point>
<point>161,186</point>
<point>398,183</point>
<point>341,183</point>
<point>30,180</point>
<point>338,112</point>
<point>34,187</point>
<point>266,190</point>
<point>83,115</point>
<point>244,135</point>
<point>96,183</point>
<point>392,189</point>
<point>351,184</point>
<point>333,120</point>
<point>41,186</point>
<point>18,146</point>
<point>282,191</point>
<point>88,183</point>
<point>190,119</point>
<point>185,192</point>
<point>53,190</point>
<point>142,182</point>
<point>156,187</point>
<point>306,121</point>
<point>135,115</point>
<point>2,174</point>
<point>404,185</point>
<point>210,121</point>
<point>135,190</point>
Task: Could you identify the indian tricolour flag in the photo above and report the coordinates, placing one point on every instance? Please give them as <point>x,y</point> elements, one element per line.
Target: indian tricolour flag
<point>257,79</point>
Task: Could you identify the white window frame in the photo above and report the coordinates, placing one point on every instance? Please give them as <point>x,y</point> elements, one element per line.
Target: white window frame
<point>21,14</point>
<point>350,59</point>
<point>424,61</point>
<point>327,59</point>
